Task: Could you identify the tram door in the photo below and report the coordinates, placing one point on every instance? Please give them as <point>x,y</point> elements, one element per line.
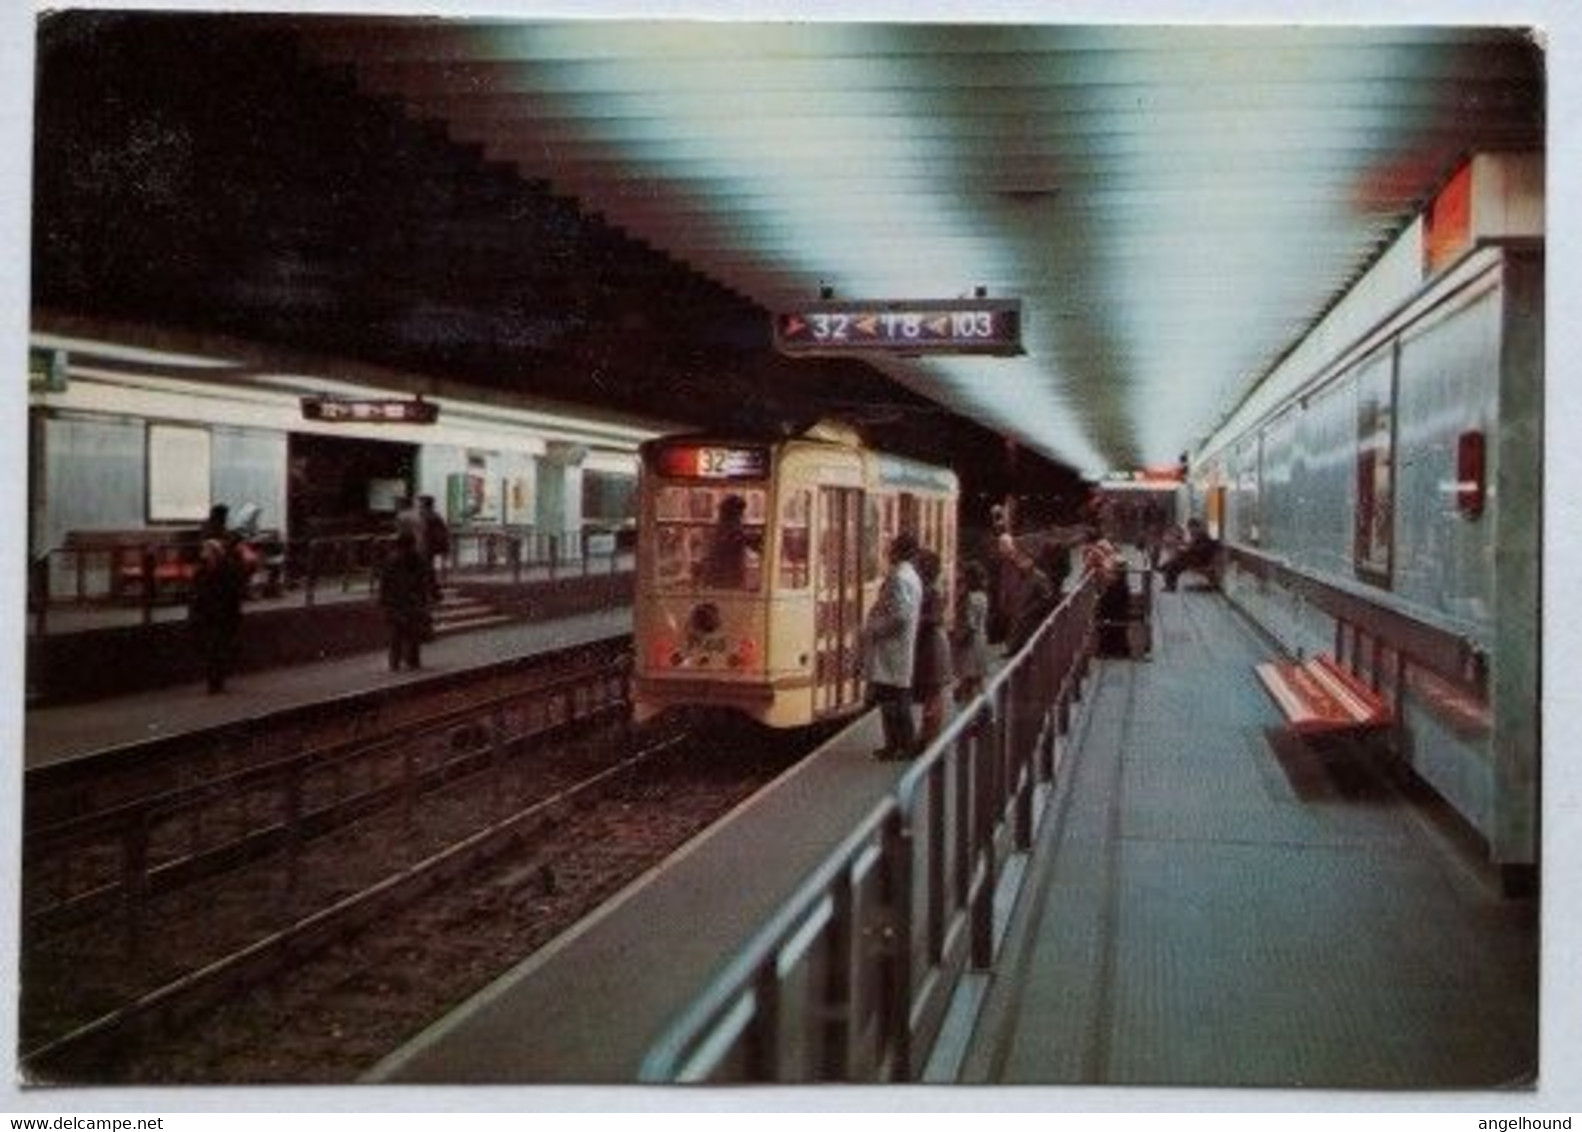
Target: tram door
<point>908,519</point>
<point>838,600</point>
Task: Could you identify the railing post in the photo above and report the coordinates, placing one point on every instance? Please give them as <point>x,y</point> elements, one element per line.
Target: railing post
<point>840,1013</point>
<point>897,1010</point>
<point>763,1048</point>
<point>1021,773</point>
<point>962,823</point>
<point>984,812</point>
<point>149,584</point>
<point>936,888</point>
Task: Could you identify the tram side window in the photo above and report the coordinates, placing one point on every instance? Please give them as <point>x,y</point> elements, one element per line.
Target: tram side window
<point>710,538</point>
<point>794,512</point>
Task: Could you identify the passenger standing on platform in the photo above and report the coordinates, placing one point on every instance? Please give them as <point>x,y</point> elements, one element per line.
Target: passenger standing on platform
<point>972,633</point>
<point>932,670</point>
<point>1037,597</point>
<point>404,595</point>
<point>235,538</point>
<point>889,637</point>
<point>218,525</point>
<point>433,540</point>
<point>215,612</point>
<point>1054,560</point>
<point>1197,554</point>
<point>1100,558</point>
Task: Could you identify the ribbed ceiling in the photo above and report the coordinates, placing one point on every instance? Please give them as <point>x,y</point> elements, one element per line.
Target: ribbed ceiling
<point>1174,206</point>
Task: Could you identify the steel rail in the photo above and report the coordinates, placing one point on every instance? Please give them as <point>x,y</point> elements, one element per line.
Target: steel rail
<point>220,979</point>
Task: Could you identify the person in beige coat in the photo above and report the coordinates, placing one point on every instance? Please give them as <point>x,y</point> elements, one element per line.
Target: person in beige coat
<point>889,638</point>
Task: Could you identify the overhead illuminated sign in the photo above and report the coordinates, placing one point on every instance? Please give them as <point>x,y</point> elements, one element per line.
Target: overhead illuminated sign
<point>1166,475</point>
<point>923,326</point>
<point>712,462</point>
<point>376,411</point>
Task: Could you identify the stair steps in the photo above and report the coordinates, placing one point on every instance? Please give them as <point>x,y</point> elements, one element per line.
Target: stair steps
<point>458,613</point>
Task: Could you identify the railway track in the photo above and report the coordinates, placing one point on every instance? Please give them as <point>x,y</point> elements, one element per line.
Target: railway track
<point>557,825</point>
<point>101,839</point>
<point>96,782</point>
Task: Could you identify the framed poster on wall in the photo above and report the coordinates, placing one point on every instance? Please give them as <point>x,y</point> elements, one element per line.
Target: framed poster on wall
<point>179,461</point>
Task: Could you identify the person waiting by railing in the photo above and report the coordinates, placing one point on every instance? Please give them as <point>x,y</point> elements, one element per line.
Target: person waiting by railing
<point>1199,552</point>
<point>932,670</point>
<point>436,535</point>
<point>1038,594</point>
<point>430,535</point>
<point>1101,559</point>
<point>889,640</point>
<point>404,593</point>
<point>972,632</point>
<point>215,612</point>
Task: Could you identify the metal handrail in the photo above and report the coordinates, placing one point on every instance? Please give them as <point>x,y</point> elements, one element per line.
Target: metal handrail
<point>87,577</point>
<point>999,750</point>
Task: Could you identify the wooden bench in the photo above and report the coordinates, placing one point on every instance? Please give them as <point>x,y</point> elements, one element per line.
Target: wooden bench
<point>1319,695</point>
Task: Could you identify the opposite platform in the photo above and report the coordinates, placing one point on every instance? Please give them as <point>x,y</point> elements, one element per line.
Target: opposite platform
<point>56,733</point>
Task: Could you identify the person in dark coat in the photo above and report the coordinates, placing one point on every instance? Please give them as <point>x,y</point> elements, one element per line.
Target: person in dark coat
<point>1198,554</point>
<point>1101,559</point>
<point>215,610</point>
<point>1036,600</point>
<point>405,595</point>
<point>972,633</point>
<point>433,541</point>
<point>1054,562</point>
<point>933,672</point>
<point>730,544</point>
<point>218,525</point>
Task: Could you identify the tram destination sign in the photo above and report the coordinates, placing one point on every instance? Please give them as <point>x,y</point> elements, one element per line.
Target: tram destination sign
<point>922,326</point>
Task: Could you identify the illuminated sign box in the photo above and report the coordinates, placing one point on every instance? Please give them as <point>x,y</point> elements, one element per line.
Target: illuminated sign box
<point>923,326</point>
<point>705,461</point>
<point>383,410</point>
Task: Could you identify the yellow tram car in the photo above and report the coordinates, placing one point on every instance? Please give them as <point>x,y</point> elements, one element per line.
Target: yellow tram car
<point>757,560</point>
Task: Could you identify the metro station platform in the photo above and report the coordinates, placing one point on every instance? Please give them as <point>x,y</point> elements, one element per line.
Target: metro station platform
<point>1217,904</point>
<point>57,733</point>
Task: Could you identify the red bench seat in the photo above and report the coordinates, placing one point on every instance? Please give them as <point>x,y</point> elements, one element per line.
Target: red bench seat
<point>1319,695</point>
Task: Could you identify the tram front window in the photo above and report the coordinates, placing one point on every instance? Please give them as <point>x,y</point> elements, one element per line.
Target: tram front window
<point>710,538</point>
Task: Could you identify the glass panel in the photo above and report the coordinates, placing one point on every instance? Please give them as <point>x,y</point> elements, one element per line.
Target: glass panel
<point>794,540</point>
<point>872,564</point>
<point>710,538</point>
<point>1375,470</point>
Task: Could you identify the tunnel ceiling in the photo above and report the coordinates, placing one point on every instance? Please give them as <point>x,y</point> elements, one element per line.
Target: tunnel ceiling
<point>608,211</point>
